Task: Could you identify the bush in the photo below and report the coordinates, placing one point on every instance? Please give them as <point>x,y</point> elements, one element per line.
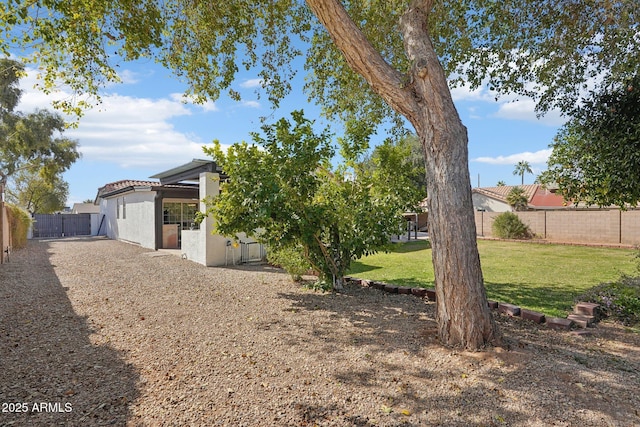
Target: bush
<point>291,259</point>
<point>509,226</point>
<point>19,222</point>
<point>619,300</point>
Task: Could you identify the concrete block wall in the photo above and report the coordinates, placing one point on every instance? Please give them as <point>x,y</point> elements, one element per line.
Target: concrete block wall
<point>630,227</point>
<point>613,226</point>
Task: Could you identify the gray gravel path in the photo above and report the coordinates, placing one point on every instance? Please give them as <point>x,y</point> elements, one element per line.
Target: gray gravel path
<point>96,332</point>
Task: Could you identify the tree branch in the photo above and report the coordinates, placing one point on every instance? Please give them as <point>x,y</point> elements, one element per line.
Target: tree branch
<point>361,56</point>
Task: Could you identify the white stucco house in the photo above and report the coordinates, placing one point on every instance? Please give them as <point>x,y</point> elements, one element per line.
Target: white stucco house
<point>160,215</point>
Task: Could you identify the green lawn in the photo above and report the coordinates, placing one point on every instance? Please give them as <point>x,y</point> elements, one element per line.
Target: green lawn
<point>539,277</point>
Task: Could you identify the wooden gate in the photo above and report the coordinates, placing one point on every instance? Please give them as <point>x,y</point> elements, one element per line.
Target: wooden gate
<point>61,225</point>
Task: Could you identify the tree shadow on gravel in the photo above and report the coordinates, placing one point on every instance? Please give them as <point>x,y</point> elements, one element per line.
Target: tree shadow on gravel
<point>51,373</point>
<point>400,361</point>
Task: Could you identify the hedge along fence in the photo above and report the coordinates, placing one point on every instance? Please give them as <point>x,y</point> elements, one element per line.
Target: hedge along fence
<point>19,223</point>
<point>601,226</point>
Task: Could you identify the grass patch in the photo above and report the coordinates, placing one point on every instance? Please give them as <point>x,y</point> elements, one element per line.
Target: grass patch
<point>539,277</point>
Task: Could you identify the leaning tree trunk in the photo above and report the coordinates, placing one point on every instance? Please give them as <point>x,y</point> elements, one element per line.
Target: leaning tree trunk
<point>463,317</point>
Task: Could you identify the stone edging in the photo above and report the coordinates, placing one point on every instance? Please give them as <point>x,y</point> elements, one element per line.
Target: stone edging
<point>584,315</point>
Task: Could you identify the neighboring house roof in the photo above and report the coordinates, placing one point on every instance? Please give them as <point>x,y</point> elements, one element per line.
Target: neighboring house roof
<point>537,196</point>
<point>79,208</point>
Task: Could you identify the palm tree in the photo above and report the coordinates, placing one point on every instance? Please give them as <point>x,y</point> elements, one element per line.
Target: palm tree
<point>521,168</point>
<point>517,199</point>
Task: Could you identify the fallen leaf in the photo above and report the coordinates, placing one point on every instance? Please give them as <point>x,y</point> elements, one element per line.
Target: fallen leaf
<point>405,412</point>
<point>386,409</point>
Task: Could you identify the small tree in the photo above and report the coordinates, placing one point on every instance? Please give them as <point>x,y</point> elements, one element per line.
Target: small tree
<point>517,199</point>
<point>287,195</point>
<point>501,183</point>
<point>36,194</point>
<point>595,155</point>
<point>404,158</point>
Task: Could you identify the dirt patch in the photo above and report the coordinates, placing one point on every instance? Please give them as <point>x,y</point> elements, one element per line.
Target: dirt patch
<point>110,336</point>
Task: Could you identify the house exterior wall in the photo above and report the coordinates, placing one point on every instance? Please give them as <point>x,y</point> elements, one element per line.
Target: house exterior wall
<point>482,202</point>
<point>201,245</point>
<point>204,247</point>
<point>574,226</point>
<point>130,217</point>
<point>95,223</point>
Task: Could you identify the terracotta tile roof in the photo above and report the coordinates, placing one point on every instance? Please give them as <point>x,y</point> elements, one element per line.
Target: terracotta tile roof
<point>536,195</point>
<point>501,192</point>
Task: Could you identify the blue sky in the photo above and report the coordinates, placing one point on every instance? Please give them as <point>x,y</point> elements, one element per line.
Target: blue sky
<point>144,126</point>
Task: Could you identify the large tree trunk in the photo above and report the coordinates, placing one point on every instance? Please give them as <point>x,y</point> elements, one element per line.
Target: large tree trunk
<point>463,317</point>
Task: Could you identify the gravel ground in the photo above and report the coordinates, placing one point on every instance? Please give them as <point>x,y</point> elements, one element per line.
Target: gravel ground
<point>96,332</point>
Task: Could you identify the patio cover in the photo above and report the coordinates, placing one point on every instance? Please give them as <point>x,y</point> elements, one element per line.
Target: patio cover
<point>188,172</point>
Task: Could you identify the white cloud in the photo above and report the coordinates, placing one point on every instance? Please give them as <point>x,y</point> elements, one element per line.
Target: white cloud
<point>206,106</point>
<point>135,132</point>
<point>251,104</point>
<point>251,83</point>
<point>129,77</point>
<point>125,130</point>
<point>524,109</point>
<point>538,157</point>
<point>465,93</point>
<point>510,107</point>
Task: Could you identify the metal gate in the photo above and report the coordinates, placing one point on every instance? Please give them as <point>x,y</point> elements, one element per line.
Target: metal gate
<point>61,225</point>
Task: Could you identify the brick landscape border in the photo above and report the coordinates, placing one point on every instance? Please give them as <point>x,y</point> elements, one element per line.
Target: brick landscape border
<point>584,315</point>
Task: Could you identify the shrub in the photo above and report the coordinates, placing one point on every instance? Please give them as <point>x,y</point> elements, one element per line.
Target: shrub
<point>291,259</point>
<point>19,222</point>
<point>619,300</point>
<point>509,226</point>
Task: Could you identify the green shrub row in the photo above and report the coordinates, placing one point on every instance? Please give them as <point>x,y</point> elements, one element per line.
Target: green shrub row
<point>19,223</point>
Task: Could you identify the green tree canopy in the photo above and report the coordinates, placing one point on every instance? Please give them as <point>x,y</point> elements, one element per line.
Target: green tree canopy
<point>403,161</point>
<point>284,191</point>
<point>35,194</point>
<point>596,155</point>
